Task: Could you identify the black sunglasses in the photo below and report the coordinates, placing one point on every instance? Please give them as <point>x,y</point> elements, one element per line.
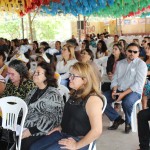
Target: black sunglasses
<point>131,51</point>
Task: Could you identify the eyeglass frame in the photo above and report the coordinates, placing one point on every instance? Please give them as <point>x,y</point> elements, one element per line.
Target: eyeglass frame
<point>72,76</point>
<point>10,74</point>
<point>37,73</point>
<point>84,53</point>
<point>131,51</point>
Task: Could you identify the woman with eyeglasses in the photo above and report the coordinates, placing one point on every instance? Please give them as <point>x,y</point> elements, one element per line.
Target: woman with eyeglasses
<point>68,59</point>
<point>82,117</point>
<point>45,106</point>
<point>19,83</point>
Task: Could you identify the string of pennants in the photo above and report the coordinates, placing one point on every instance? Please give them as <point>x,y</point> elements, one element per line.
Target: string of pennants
<point>100,8</point>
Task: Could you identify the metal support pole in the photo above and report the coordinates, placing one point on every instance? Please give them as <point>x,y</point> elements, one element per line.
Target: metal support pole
<point>22,27</point>
<point>116,27</point>
<point>85,25</point>
<point>79,29</point>
<point>120,21</point>
<point>30,27</point>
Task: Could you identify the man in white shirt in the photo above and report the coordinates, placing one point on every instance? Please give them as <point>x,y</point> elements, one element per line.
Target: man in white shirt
<point>126,86</point>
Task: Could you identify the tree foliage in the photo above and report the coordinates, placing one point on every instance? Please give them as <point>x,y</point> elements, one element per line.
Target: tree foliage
<point>46,29</point>
<point>10,29</point>
<point>43,29</point>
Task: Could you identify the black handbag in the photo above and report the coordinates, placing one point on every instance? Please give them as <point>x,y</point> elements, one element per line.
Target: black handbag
<point>7,139</point>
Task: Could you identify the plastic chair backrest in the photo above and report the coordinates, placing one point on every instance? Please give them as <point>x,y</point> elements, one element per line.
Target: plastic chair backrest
<point>10,107</point>
<point>33,66</point>
<point>58,77</point>
<point>92,145</point>
<point>64,91</point>
<point>105,103</point>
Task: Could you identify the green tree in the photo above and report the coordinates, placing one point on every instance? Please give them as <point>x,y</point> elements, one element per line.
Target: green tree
<point>10,29</point>
<point>46,29</point>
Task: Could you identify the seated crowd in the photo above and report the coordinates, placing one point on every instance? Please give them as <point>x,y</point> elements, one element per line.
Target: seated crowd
<point>29,71</point>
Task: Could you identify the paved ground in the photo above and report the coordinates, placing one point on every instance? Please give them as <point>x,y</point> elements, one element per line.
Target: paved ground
<point>116,140</point>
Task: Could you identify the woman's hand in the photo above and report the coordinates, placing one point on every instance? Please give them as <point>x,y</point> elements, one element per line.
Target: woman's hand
<point>26,133</point>
<point>53,130</point>
<point>69,143</point>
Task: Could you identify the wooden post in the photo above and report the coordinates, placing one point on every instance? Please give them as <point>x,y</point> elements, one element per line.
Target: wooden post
<point>79,30</point>
<point>30,27</point>
<point>85,25</point>
<point>145,24</point>
<point>116,27</point>
<point>22,27</point>
<point>120,22</point>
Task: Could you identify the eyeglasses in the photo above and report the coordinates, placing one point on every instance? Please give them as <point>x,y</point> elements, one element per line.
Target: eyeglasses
<point>115,49</point>
<point>83,43</point>
<point>37,73</point>
<point>72,76</point>
<point>131,51</point>
<point>10,74</point>
<point>83,53</point>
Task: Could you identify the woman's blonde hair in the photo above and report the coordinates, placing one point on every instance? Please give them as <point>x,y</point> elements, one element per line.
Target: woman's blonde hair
<point>88,72</point>
<point>71,50</point>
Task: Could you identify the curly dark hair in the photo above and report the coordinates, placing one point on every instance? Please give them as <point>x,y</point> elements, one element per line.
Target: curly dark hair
<point>103,48</point>
<point>49,74</point>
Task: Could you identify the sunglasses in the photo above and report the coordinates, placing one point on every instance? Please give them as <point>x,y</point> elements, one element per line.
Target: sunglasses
<point>72,76</point>
<point>131,51</point>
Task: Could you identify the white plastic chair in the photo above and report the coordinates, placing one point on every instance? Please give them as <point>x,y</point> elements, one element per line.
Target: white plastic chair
<point>64,91</point>
<point>105,103</point>
<point>99,66</point>
<point>91,146</point>
<point>133,115</point>
<point>10,107</point>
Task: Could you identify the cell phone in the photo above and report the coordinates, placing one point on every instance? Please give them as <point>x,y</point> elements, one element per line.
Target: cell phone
<point>116,97</point>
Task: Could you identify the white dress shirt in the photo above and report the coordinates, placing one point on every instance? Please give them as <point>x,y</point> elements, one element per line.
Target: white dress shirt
<point>130,75</point>
<point>61,68</point>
